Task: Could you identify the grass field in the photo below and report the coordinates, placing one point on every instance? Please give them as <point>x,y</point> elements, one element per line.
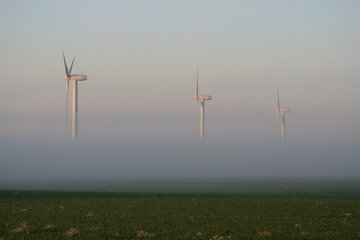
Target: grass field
<point>95,215</point>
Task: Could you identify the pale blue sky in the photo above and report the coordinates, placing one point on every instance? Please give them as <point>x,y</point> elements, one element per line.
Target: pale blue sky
<point>140,57</point>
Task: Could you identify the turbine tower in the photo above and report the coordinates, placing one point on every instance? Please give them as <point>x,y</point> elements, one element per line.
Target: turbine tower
<point>281,111</point>
<point>74,78</point>
<point>202,99</point>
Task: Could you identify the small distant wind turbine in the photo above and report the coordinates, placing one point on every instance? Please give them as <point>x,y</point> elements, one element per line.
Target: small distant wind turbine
<point>75,78</point>
<point>281,111</point>
<point>202,99</point>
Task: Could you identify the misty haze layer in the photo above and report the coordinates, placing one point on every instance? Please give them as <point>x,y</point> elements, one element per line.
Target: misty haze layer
<point>136,113</point>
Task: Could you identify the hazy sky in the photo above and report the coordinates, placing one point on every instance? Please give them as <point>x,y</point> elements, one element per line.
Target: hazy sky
<point>136,113</point>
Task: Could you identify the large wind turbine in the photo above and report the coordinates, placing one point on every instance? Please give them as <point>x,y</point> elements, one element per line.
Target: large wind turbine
<point>75,78</point>
<point>202,99</point>
<point>281,111</point>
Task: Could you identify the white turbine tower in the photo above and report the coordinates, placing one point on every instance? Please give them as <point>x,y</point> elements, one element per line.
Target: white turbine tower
<point>75,78</point>
<point>281,111</point>
<point>202,99</point>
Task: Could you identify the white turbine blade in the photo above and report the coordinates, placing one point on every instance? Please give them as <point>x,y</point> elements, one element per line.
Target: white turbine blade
<point>283,125</point>
<point>196,107</point>
<point>197,82</point>
<point>74,109</point>
<point>71,66</point>
<point>66,68</point>
<point>283,119</point>
<point>67,98</point>
<point>278,122</point>
<point>202,119</point>
<point>197,88</point>
<point>196,93</point>
<point>278,98</point>
<point>278,102</point>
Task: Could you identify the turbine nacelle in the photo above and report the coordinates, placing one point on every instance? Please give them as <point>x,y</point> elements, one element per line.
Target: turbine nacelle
<point>76,77</point>
<point>202,97</point>
<point>282,110</point>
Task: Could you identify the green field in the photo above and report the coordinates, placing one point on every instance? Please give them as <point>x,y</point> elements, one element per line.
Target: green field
<point>95,215</point>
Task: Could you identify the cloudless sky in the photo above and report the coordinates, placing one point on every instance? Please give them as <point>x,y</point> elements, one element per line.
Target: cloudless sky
<point>136,113</point>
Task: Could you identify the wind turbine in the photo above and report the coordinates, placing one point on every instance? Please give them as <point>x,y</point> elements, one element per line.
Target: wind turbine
<point>202,99</point>
<point>75,78</point>
<point>281,111</point>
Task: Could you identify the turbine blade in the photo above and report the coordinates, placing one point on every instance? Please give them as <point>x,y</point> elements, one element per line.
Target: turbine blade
<point>197,92</point>
<point>278,98</point>
<point>66,68</point>
<point>283,119</point>
<point>277,122</point>
<point>197,81</point>
<point>283,124</point>
<point>196,107</point>
<point>67,99</point>
<point>71,66</point>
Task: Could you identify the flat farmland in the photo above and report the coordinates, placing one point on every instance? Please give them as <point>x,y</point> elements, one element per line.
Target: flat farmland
<point>79,215</point>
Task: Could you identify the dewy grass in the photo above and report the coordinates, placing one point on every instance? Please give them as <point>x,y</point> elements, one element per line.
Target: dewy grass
<point>178,217</point>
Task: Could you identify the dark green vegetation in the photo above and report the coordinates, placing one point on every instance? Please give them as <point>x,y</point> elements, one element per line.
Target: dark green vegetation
<point>84,215</point>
